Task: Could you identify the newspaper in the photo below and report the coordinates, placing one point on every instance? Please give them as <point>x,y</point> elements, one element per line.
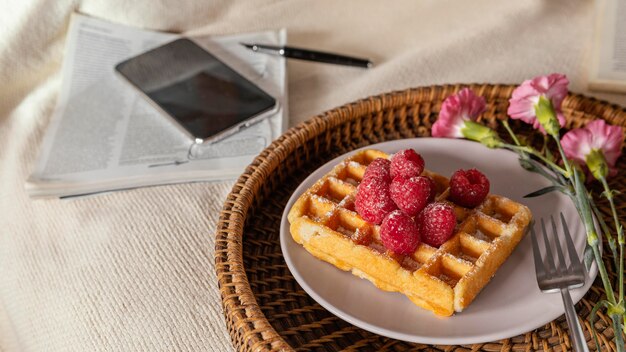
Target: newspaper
<point>608,63</point>
<point>105,136</point>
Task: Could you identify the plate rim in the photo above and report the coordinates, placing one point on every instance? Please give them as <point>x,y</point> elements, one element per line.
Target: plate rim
<point>453,340</point>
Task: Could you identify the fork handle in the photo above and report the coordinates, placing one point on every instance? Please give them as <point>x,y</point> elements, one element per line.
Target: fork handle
<point>575,330</point>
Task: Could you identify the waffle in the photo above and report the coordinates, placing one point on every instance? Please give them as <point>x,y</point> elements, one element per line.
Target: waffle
<point>443,280</point>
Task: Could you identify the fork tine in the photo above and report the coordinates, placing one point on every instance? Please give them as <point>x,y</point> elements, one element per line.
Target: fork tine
<point>559,250</point>
<point>555,276</point>
<point>549,257</point>
<point>539,267</point>
<point>571,249</point>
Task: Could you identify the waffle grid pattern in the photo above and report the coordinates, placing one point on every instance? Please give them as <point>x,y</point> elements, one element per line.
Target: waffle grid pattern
<point>443,280</point>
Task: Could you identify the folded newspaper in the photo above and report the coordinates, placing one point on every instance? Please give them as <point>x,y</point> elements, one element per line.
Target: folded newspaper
<point>105,136</point>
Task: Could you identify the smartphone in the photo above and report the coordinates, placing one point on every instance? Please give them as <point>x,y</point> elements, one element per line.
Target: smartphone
<point>204,97</point>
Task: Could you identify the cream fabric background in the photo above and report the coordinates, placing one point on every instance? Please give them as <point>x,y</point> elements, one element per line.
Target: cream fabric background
<point>133,270</point>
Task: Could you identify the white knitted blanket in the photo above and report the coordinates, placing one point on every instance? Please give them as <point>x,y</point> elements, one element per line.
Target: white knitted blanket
<point>133,270</point>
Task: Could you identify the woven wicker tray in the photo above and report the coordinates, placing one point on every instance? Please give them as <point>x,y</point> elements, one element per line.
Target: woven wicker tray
<point>265,309</point>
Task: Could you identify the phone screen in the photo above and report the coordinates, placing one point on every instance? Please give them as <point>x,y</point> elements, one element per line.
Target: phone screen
<point>200,92</point>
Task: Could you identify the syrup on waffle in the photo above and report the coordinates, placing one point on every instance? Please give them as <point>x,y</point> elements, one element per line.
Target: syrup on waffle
<point>445,279</point>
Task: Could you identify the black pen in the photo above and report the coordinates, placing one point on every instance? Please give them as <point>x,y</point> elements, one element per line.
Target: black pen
<point>309,55</point>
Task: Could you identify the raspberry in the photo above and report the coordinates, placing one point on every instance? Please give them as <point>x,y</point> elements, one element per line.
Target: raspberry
<point>433,190</point>
<point>378,168</point>
<point>436,223</point>
<point>407,163</point>
<point>373,201</point>
<point>468,188</point>
<point>399,233</point>
<point>410,194</point>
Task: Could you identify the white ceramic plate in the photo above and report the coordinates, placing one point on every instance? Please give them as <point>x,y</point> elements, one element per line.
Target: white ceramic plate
<point>511,304</point>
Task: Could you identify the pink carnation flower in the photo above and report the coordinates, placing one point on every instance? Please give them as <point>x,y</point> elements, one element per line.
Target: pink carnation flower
<point>597,135</point>
<point>525,97</point>
<point>455,110</point>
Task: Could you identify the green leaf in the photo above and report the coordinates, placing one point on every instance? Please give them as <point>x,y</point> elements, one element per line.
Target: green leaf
<point>526,164</point>
<point>542,191</point>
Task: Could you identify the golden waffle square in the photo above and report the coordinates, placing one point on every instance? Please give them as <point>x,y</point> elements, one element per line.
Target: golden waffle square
<point>444,280</point>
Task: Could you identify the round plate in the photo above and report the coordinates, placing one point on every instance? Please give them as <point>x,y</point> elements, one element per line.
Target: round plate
<point>509,305</point>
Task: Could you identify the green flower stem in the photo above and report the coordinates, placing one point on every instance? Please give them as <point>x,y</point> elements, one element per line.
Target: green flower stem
<point>533,152</point>
<point>588,221</point>
<point>583,202</point>
<point>543,171</point>
<point>608,193</point>
<point>592,237</point>
<point>616,310</point>
<point>505,123</point>
<point>620,237</point>
<point>621,273</point>
<point>617,331</point>
<point>603,274</point>
<point>568,167</point>
<point>606,231</point>
<point>524,150</point>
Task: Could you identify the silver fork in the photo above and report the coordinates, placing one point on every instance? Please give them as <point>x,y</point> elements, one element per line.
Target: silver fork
<point>557,276</point>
